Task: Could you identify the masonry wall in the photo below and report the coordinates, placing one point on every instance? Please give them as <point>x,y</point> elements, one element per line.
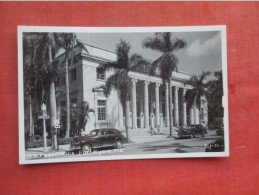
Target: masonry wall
<point>90,81</point>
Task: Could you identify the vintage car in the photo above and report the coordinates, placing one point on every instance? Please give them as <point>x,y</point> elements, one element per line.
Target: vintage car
<point>182,133</point>
<point>216,146</point>
<point>220,130</point>
<point>190,132</point>
<point>98,138</point>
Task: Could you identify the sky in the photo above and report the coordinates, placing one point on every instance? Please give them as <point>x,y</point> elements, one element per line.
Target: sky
<point>203,51</point>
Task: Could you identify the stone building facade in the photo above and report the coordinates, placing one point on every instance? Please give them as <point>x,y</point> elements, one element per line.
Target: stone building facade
<point>149,105</point>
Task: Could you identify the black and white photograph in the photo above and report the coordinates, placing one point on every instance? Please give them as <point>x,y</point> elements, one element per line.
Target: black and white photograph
<point>113,93</point>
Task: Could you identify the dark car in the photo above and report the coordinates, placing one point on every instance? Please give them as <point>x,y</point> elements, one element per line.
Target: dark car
<point>182,133</point>
<point>98,138</point>
<point>198,129</point>
<point>220,130</point>
<point>216,146</point>
<point>190,132</point>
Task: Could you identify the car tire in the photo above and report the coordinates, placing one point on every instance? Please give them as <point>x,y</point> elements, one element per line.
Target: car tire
<point>118,144</point>
<point>87,148</point>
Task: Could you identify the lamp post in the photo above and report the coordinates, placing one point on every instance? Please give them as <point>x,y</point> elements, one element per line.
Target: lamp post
<point>44,117</point>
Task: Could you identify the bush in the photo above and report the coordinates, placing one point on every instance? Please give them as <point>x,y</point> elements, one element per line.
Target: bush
<point>64,141</point>
<point>40,143</point>
<point>37,143</point>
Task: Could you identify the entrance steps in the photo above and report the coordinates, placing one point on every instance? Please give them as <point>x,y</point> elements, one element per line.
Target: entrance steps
<point>146,131</point>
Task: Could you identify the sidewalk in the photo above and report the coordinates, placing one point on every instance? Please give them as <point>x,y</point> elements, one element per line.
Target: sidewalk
<point>145,139</point>
<point>33,153</point>
<point>133,140</point>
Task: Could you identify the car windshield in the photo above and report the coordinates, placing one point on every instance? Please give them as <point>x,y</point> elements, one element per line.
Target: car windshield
<point>94,133</point>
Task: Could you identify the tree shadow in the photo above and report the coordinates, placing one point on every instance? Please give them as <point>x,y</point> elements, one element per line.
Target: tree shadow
<point>176,147</point>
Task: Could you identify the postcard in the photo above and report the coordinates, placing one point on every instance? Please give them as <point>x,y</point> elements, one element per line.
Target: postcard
<point>113,93</point>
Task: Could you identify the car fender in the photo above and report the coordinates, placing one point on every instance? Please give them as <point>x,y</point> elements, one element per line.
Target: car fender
<point>119,138</point>
<point>93,143</point>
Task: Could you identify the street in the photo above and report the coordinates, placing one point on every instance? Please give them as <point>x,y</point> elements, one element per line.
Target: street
<point>141,145</point>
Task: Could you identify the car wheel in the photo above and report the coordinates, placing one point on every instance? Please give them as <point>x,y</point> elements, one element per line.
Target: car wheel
<point>87,148</point>
<point>118,144</point>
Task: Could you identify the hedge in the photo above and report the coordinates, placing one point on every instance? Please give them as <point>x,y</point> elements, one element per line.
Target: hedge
<point>40,142</point>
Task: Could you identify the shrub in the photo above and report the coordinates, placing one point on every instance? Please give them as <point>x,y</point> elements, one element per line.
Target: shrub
<point>40,143</point>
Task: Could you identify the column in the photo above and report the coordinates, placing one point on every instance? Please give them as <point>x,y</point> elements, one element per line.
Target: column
<point>134,104</point>
<point>146,110</point>
<point>197,115</point>
<point>96,111</point>
<point>184,109</point>
<point>191,116</point>
<point>157,105</point>
<point>176,107</point>
<point>167,105</point>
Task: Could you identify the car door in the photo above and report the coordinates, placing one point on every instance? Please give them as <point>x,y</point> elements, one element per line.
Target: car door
<point>103,137</point>
<point>111,136</point>
<point>99,139</point>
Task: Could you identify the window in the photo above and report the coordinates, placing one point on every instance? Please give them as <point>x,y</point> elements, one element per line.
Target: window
<point>100,74</point>
<point>94,133</point>
<point>101,106</point>
<point>73,74</point>
<point>110,132</point>
<point>102,133</point>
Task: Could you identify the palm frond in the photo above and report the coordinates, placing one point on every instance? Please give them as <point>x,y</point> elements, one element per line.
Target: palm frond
<point>137,62</point>
<point>155,43</point>
<point>204,75</point>
<point>177,44</point>
<point>109,65</point>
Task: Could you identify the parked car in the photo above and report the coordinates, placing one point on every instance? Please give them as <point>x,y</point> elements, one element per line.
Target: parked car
<point>190,132</point>
<point>198,129</point>
<point>220,130</point>
<point>216,146</point>
<point>183,133</point>
<point>98,138</point>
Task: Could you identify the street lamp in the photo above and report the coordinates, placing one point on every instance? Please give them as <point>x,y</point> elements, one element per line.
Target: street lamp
<point>44,109</point>
<point>44,117</point>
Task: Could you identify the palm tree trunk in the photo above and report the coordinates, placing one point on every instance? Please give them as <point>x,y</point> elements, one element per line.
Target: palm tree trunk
<point>170,108</point>
<point>127,118</point>
<point>67,99</point>
<point>52,100</point>
<point>31,121</point>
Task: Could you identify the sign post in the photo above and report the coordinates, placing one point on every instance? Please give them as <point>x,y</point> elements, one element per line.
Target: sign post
<point>44,117</point>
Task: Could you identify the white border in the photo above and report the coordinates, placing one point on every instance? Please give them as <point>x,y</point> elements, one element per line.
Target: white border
<point>21,29</point>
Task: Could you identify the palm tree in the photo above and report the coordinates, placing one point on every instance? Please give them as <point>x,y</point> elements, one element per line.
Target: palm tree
<point>83,115</point>
<point>47,46</point>
<point>167,62</point>
<point>199,91</point>
<point>216,90</point>
<point>68,42</point>
<point>79,115</point>
<point>120,80</point>
<point>29,76</point>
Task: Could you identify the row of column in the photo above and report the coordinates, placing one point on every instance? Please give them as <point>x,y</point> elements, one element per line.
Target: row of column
<point>157,115</point>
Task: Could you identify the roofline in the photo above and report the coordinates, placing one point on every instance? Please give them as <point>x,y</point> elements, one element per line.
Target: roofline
<point>100,48</point>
